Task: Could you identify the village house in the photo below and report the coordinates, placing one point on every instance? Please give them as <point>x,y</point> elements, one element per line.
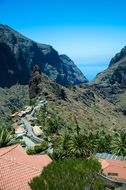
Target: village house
<point>20,131</point>
<point>14,116</point>
<point>37,130</point>
<point>17,168</point>
<point>17,115</point>
<point>113,170</point>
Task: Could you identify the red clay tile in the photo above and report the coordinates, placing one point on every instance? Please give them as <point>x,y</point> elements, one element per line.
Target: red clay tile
<point>114,166</point>
<point>17,168</point>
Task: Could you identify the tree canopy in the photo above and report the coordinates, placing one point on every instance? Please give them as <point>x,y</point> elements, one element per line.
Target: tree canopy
<point>67,174</point>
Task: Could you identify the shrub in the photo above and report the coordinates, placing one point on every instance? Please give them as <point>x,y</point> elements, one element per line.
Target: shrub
<point>6,137</point>
<point>54,124</point>
<point>44,145</point>
<point>30,150</point>
<point>69,174</point>
<point>38,148</point>
<point>41,147</point>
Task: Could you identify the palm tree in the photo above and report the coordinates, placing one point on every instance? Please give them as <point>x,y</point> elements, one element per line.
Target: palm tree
<point>90,142</point>
<point>6,138</point>
<point>78,146</point>
<point>60,146</point>
<point>119,143</point>
<point>75,145</point>
<point>103,142</point>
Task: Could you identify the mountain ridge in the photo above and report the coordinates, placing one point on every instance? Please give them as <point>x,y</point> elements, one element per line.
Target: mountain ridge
<point>18,55</point>
<point>99,103</point>
<point>111,83</point>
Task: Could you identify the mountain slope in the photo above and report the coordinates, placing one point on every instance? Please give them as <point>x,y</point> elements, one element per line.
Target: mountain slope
<point>79,102</point>
<point>12,99</point>
<point>111,83</point>
<point>115,74</point>
<point>19,54</point>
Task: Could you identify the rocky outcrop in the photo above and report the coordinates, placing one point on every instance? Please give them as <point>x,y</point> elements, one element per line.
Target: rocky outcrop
<point>111,83</point>
<point>116,72</point>
<point>119,56</point>
<point>41,85</point>
<point>69,71</point>
<point>18,55</point>
<point>34,82</point>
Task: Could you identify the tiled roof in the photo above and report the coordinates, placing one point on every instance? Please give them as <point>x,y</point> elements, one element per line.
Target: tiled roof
<point>37,131</point>
<point>7,149</point>
<point>114,166</point>
<point>17,168</point>
<point>104,163</point>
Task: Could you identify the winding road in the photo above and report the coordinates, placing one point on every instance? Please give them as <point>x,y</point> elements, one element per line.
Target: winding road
<point>30,138</point>
<point>30,133</point>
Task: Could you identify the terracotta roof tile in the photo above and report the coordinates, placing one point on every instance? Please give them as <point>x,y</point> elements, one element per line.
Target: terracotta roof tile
<point>114,166</point>
<point>7,149</point>
<point>17,168</point>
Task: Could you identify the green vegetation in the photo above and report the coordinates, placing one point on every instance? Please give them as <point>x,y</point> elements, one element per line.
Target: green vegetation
<point>72,145</point>
<point>69,174</point>
<point>119,143</point>
<point>52,123</point>
<point>38,148</point>
<point>13,99</point>
<point>6,137</point>
<point>89,143</point>
<point>41,116</point>
<point>72,141</point>
<point>32,102</point>
<point>6,122</point>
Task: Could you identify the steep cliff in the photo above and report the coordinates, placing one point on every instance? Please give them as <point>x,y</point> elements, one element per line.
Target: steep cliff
<point>18,55</point>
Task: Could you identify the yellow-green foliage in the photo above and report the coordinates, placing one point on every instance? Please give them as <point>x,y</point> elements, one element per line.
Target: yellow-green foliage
<point>38,148</point>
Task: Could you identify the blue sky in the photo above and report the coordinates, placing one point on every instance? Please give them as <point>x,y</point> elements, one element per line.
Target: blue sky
<point>91,32</point>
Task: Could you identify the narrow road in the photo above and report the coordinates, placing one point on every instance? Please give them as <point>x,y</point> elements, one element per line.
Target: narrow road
<point>28,141</point>
<point>28,126</point>
<point>30,138</point>
<point>29,131</point>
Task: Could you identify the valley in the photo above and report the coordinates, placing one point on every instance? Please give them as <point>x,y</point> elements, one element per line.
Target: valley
<point>49,107</point>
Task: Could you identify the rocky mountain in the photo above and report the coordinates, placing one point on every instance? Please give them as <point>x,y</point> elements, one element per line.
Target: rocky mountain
<point>13,99</point>
<point>115,74</point>
<point>81,103</point>
<point>100,103</point>
<point>19,54</point>
<point>111,83</point>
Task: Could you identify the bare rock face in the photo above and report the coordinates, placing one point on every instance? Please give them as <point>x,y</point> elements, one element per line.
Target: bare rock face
<point>111,83</point>
<point>119,56</point>
<point>115,74</point>
<point>41,85</point>
<point>18,55</point>
<point>35,80</point>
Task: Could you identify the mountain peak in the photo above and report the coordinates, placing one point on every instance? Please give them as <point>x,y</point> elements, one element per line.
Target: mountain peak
<point>111,83</point>
<point>118,57</point>
<point>19,54</point>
